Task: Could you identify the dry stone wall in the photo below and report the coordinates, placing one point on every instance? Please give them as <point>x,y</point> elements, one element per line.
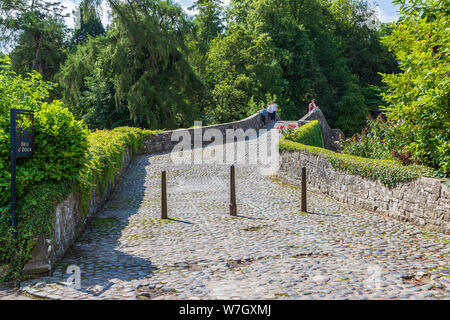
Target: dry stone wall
<point>424,201</point>
<point>331,137</point>
<point>68,223</point>
<point>163,141</point>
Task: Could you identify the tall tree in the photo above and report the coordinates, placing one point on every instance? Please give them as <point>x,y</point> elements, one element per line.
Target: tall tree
<point>140,68</point>
<point>41,45</point>
<point>15,16</point>
<point>88,23</point>
<point>35,32</point>
<point>419,97</point>
<point>208,19</point>
<point>311,58</point>
<point>240,67</point>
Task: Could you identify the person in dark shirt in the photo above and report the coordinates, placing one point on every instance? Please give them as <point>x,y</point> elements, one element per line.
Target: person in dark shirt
<point>263,113</point>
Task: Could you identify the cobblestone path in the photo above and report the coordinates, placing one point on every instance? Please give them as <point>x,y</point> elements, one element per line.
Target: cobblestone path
<point>270,251</point>
<point>9,293</point>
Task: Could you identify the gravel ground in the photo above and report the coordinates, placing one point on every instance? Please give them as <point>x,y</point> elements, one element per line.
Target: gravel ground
<point>271,250</point>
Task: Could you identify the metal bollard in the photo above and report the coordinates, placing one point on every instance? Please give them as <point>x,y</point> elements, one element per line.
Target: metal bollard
<point>163,195</point>
<point>303,190</point>
<point>233,209</point>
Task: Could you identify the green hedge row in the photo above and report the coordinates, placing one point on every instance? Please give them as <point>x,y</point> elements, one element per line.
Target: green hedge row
<point>309,134</point>
<point>106,148</point>
<point>388,172</point>
<point>36,209</point>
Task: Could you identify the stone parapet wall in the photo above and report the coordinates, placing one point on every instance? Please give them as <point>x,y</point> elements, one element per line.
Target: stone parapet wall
<point>424,201</point>
<point>331,137</point>
<point>162,142</point>
<point>68,223</point>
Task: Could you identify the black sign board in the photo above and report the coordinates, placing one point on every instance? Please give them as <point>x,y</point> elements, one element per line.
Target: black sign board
<point>22,146</point>
<point>25,142</point>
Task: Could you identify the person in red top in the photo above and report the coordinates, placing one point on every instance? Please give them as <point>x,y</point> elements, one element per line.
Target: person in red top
<point>312,105</point>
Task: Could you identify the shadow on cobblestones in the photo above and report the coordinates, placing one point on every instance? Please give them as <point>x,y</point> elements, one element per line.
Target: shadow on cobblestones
<point>104,252</point>
<point>324,214</point>
<point>178,220</point>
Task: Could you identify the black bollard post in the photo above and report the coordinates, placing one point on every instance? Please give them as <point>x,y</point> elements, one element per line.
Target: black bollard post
<point>163,195</point>
<point>233,209</point>
<point>304,189</point>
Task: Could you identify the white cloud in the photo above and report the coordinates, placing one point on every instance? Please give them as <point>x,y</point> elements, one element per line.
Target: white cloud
<point>384,17</point>
<point>70,7</point>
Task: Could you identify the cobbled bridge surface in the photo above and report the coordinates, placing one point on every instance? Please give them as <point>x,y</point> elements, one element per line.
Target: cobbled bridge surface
<point>269,251</point>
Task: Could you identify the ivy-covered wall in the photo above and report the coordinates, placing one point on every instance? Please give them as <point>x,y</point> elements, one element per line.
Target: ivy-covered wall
<point>53,214</point>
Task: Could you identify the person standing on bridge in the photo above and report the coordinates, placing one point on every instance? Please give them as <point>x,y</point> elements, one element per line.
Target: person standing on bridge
<point>312,105</point>
<point>270,109</point>
<point>275,107</point>
<point>263,113</point>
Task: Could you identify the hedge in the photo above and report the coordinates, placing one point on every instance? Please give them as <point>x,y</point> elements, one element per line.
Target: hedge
<point>36,209</point>
<point>388,172</point>
<point>105,158</point>
<point>309,134</point>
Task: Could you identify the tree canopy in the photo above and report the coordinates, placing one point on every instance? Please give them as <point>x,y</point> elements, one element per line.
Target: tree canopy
<point>155,66</point>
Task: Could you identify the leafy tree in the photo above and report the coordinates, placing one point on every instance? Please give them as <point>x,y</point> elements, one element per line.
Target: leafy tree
<point>311,58</point>
<point>293,51</point>
<point>98,100</point>
<point>209,19</point>
<point>41,45</point>
<point>73,85</point>
<point>355,25</point>
<point>138,72</point>
<point>240,66</point>
<point>89,23</point>
<point>36,32</point>
<point>207,25</point>
<point>418,98</point>
<point>146,56</point>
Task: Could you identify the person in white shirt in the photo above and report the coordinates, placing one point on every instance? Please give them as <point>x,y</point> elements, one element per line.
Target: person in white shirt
<point>270,110</point>
<point>275,107</point>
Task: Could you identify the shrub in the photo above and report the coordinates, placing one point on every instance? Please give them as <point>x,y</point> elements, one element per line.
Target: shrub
<point>61,147</point>
<point>376,141</point>
<point>67,158</point>
<point>60,140</point>
<point>418,98</point>
<point>36,208</point>
<point>388,172</point>
<point>105,153</point>
<point>309,134</point>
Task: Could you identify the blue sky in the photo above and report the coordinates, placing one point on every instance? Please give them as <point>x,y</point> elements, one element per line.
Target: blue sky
<point>387,9</point>
<point>387,12</point>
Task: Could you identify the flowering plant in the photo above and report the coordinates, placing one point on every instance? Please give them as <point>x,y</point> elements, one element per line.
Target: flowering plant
<point>287,131</point>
